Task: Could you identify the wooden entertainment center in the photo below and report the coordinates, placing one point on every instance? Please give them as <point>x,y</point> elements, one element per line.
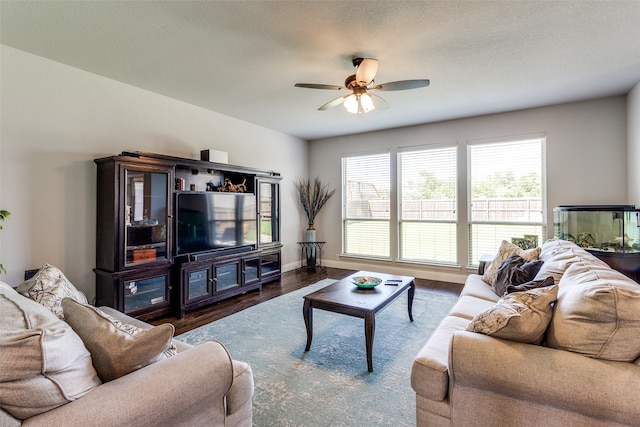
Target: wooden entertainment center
<point>174,234</point>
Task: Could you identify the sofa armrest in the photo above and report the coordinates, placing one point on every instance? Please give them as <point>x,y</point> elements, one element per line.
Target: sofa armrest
<point>186,389</point>
<point>597,388</point>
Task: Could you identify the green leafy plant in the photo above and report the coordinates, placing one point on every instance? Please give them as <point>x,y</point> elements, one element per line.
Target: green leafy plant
<point>3,216</point>
<point>313,195</point>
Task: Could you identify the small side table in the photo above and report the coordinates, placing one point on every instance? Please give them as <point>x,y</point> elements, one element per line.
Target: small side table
<point>311,256</point>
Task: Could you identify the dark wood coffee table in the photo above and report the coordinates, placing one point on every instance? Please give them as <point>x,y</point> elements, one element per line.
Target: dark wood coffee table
<point>346,298</point>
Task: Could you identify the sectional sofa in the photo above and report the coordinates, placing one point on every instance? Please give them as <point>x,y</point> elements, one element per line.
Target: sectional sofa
<point>566,354</point>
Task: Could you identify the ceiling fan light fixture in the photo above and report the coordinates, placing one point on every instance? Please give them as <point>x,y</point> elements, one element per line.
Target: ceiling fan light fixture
<point>351,104</point>
<point>358,103</point>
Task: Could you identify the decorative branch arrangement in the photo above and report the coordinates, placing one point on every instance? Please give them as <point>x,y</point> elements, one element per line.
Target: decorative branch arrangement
<point>313,196</point>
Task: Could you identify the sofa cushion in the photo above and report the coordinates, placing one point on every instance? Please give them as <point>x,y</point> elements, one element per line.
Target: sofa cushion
<point>506,249</point>
<point>467,307</point>
<point>44,363</point>
<point>48,287</point>
<point>519,316</point>
<point>476,287</point>
<point>117,349</point>
<point>558,255</point>
<point>514,270</point>
<point>597,314</point>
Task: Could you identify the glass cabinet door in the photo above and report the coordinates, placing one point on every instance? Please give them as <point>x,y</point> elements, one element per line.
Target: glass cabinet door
<point>146,216</point>
<point>268,212</point>
<point>227,276</point>
<point>198,284</point>
<point>146,292</point>
<point>251,270</point>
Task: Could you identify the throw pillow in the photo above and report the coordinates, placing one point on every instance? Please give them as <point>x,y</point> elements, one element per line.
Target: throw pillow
<point>506,249</point>
<point>114,349</point>
<point>597,314</point>
<point>533,284</point>
<point>520,316</point>
<point>48,287</point>
<point>44,363</point>
<point>514,270</point>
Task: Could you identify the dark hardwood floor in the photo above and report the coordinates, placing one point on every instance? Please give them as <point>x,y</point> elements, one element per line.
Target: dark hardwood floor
<point>290,281</point>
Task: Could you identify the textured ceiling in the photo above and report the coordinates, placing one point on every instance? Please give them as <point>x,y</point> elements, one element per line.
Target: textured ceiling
<point>242,58</point>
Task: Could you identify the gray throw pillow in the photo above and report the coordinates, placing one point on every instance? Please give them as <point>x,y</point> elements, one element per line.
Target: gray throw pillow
<point>548,281</point>
<point>514,270</point>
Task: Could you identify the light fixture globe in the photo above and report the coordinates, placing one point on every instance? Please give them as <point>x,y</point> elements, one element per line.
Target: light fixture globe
<point>351,104</point>
<point>366,102</point>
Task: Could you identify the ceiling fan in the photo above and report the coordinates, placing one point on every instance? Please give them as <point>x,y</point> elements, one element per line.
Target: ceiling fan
<point>360,100</point>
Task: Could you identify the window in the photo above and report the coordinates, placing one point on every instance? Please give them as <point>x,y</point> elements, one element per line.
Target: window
<point>366,205</point>
<point>403,206</point>
<point>506,193</point>
<point>427,219</point>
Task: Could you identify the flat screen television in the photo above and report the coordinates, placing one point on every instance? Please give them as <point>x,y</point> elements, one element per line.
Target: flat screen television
<point>208,221</point>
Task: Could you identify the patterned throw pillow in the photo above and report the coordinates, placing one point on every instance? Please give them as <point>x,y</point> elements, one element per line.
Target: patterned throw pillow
<point>116,348</point>
<point>520,316</point>
<point>49,287</point>
<point>506,249</point>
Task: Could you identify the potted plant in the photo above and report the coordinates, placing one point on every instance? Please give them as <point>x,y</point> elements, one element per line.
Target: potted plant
<point>3,215</point>
<point>313,195</point>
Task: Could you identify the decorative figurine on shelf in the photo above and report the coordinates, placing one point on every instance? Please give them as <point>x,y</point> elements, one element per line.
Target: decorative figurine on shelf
<point>229,187</point>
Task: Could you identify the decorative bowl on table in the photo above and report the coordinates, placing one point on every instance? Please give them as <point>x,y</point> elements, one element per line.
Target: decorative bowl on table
<point>366,282</point>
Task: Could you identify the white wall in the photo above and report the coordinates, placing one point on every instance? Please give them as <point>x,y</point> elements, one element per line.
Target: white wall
<point>56,119</point>
<point>586,163</point>
<point>633,145</point>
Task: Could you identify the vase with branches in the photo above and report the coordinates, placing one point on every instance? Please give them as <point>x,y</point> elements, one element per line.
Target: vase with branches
<point>313,195</point>
<point>3,216</point>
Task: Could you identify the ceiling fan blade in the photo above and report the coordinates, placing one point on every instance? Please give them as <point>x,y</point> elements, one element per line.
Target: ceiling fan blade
<point>401,85</point>
<point>379,102</point>
<point>366,71</point>
<point>333,103</point>
<point>317,86</point>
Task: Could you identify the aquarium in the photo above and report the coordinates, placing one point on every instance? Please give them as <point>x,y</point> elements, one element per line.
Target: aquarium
<point>608,228</point>
<point>610,232</point>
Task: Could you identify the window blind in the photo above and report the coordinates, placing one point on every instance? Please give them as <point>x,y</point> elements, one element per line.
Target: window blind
<point>428,219</point>
<point>506,194</point>
<point>366,199</point>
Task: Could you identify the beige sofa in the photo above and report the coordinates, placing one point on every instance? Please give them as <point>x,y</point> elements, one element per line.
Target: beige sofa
<point>586,372</point>
<point>198,386</point>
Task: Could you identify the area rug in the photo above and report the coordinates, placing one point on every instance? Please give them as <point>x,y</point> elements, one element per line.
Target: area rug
<point>329,385</point>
